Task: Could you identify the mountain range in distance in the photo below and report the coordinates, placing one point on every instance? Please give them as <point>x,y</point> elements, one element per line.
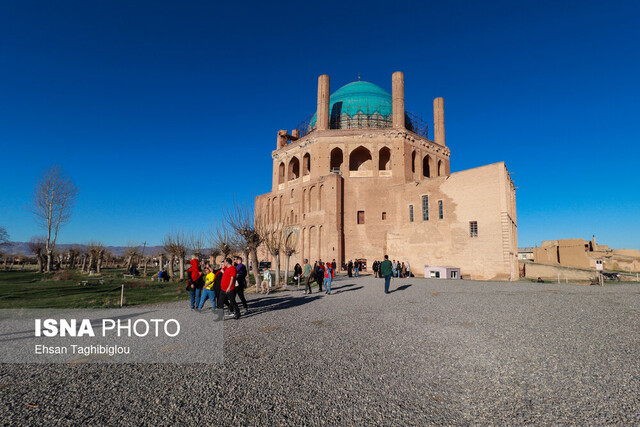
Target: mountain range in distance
<point>22,248</point>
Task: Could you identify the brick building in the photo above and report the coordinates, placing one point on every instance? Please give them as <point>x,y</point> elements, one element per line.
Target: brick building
<point>362,179</point>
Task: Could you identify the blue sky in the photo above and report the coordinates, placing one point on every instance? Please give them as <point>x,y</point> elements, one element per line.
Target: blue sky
<point>162,112</point>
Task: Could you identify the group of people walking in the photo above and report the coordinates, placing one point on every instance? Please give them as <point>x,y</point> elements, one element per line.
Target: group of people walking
<point>221,286</point>
<point>321,273</point>
<point>398,269</point>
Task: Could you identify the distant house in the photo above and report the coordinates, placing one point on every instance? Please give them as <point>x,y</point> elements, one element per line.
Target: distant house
<point>587,254</point>
<point>525,254</point>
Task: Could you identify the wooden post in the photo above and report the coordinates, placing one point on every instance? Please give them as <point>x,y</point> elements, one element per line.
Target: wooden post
<point>122,296</point>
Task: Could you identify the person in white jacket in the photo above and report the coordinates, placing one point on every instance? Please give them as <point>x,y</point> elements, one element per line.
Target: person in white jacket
<point>265,286</point>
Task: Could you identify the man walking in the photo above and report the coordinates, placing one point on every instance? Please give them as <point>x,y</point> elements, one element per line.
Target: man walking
<point>386,269</point>
<point>320,275</point>
<point>306,274</point>
<point>241,280</point>
<point>228,288</point>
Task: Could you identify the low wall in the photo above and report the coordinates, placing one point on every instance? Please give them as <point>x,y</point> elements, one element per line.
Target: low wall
<point>546,271</point>
<point>534,270</point>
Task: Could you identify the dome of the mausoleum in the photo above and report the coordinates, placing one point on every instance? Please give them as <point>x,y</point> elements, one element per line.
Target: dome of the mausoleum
<point>359,105</point>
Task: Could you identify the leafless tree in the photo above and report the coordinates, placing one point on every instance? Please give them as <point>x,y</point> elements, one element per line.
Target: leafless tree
<point>241,218</point>
<point>196,244</point>
<point>274,235</point>
<point>214,253</point>
<point>131,251</point>
<point>175,243</point>
<point>96,255</point>
<point>289,248</point>
<point>4,237</point>
<point>224,239</point>
<point>53,199</point>
<point>73,253</point>
<point>161,257</point>
<point>37,247</point>
<point>4,244</point>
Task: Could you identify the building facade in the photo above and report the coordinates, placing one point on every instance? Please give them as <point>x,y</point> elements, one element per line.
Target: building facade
<point>362,179</point>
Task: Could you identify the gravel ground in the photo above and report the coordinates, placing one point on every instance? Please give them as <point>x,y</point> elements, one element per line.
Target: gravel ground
<point>430,353</point>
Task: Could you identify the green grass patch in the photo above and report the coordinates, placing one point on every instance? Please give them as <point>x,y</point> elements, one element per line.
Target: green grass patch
<point>26,289</point>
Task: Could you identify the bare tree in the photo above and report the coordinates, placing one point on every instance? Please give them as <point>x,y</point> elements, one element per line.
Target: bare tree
<point>273,235</point>
<point>224,239</point>
<point>96,254</point>
<point>175,243</point>
<point>53,199</point>
<point>168,245</point>
<point>36,246</point>
<point>214,253</point>
<point>289,247</point>
<point>241,218</point>
<point>196,244</point>
<point>73,254</point>
<point>4,237</point>
<point>131,251</point>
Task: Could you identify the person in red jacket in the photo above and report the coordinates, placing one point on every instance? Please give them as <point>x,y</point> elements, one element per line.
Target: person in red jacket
<point>328,277</point>
<point>195,283</point>
<point>228,288</point>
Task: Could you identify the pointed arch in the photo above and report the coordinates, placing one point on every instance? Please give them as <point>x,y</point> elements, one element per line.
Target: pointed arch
<point>336,160</point>
<point>312,197</point>
<point>440,168</point>
<point>305,205</point>
<point>360,159</point>
<point>294,169</point>
<point>426,166</point>
<point>413,161</point>
<point>384,159</point>
<point>281,173</point>
<point>306,164</point>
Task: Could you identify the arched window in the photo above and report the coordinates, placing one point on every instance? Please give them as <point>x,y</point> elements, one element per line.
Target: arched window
<point>304,201</point>
<point>291,217</point>
<point>281,173</point>
<point>280,215</point>
<point>426,166</point>
<point>440,168</point>
<point>292,193</point>
<point>294,169</point>
<point>360,159</point>
<point>413,161</point>
<point>384,162</point>
<point>312,197</point>
<point>273,207</point>
<point>320,197</point>
<point>306,164</point>
<point>336,160</point>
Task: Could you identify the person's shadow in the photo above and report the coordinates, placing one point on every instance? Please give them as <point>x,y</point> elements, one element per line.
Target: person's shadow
<point>264,304</point>
<point>341,290</point>
<point>400,288</point>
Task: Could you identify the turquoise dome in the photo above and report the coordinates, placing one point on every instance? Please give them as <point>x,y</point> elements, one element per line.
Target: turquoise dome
<point>358,97</point>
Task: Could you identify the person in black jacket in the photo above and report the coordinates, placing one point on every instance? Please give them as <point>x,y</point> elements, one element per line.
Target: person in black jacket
<point>241,282</point>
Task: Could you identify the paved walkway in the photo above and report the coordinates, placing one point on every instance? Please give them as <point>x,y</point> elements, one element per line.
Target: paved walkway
<point>430,353</point>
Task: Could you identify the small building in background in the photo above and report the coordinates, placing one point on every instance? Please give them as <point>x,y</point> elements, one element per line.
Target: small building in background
<point>441,272</point>
<point>587,254</point>
<point>525,254</point>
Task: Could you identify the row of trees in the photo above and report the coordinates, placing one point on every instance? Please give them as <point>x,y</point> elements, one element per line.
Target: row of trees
<point>240,231</point>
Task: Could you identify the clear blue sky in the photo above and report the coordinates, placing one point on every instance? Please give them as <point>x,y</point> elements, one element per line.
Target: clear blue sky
<point>162,111</point>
